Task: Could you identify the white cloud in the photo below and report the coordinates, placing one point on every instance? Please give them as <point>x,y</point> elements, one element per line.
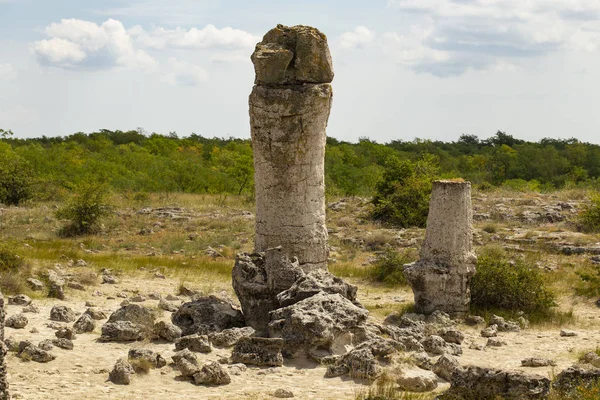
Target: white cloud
<point>359,37</point>
<point>479,34</point>
<point>76,43</point>
<point>231,57</point>
<point>7,72</point>
<point>208,37</point>
<point>185,74</point>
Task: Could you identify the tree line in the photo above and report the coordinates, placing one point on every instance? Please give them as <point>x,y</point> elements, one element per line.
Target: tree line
<point>135,161</point>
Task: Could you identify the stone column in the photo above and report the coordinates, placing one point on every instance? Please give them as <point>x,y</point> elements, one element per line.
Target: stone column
<point>440,279</point>
<point>289,109</point>
<point>4,395</point>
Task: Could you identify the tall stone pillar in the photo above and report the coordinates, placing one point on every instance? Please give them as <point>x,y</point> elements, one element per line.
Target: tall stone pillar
<point>4,395</point>
<point>289,109</point>
<point>440,279</point>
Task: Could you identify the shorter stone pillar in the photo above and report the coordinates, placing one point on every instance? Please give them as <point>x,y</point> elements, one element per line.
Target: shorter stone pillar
<point>440,279</point>
<point>4,395</point>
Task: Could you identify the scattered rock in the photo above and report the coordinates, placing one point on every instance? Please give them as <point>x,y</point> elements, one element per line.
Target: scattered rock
<point>567,333</point>
<point>144,358</point>
<point>17,321</point>
<point>108,279</point>
<point>490,331</point>
<point>236,369</point>
<point>187,355</point>
<point>62,314</point>
<point>167,306</point>
<point>258,351</point>
<point>283,394</point>
<point>422,360</point>
<point>46,345</point>
<point>417,381</point>
<point>207,314</point>
<point>167,331</point>
<point>31,352</point>
<point>35,284</point>
<point>537,362</point>
<point>95,313</point>
<point>212,373</point>
<point>488,383</point>
<point>31,308</point>
<point>19,300</point>
<point>495,342</point>
<point>503,325</point>
<point>197,343</point>
<point>434,344</point>
<point>451,335</point>
<point>65,332</point>
<point>474,320</point>
<point>121,372</point>
<point>313,283</point>
<point>129,323</point>
<point>229,337</point>
<point>445,366</point>
<point>63,343</point>
<point>577,375</point>
<point>84,324</point>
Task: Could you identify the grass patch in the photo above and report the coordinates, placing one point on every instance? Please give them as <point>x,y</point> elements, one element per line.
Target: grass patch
<point>385,388</point>
<point>389,268</point>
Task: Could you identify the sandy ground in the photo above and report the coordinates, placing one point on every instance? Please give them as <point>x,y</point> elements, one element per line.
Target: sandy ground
<point>82,373</point>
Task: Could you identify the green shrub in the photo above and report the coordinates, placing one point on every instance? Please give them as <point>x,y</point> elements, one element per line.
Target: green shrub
<point>13,272</point>
<point>16,179</point>
<point>589,218</point>
<point>590,281</point>
<point>389,267</point>
<point>9,260</point>
<point>85,210</point>
<point>509,286</point>
<point>402,195</point>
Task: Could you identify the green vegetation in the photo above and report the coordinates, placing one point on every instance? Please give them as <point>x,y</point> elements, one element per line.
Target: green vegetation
<point>85,209</point>
<point>503,285</point>
<point>402,195</point>
<point>13,272</point>
<point>16,177</point>
<point>589,219</point>
<point>389,267</point>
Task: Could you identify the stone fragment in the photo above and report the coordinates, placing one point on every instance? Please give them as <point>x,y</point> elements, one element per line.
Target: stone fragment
<point>56,285</point>
<point>434,344</point>
<point>452,335</point>
<point>207,314</point>
<point>129,323</point>
<point>197,343</point>
<point>31,308</point>
<point>167,331</point>
<point>315,322</point>
<point>46,345</point>
<point>187,355</point>
<point>212,373</point>
<point>31,352</point>
<point>65,332</point>
<point>488,383</point>
<point>62,314</point>
<point>490,331</point>
<point>503,325</point>
<point>143,359</point>
<point>5,346</point>
<point>576,376</point>
<point>258,351</point>
<point>283,394</point>
<point>187,368</point>
<point>365,360</point>
<point>417,381</point>
<point>474,320</point>
<point>95,313</point>
<point>63,343</point>
<point>440,279</point>
<point>229,337</point>
<point>537,362</point>
<point>567,333</point>
<point>35,284</point>
<point>313,283</point>
<point>84,324</point>
<point>167,305</point>
<point>495,342</point>
<point>19,300</point>
<point>121,372</point>
<point>446,366</point>
<point>17,321</point>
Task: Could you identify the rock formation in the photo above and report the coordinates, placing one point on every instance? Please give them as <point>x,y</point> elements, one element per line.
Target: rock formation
<point>3,349</point>
<point>289,109</point>
<point>440,279</point>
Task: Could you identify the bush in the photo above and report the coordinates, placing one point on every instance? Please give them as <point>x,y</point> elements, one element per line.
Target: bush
<point>16,179</point>
<point>389,268</point>
<point>85,210</point>
<point>13,272</point>
<point>503,285</point>
<point>9,261</point>
<point>402,196</point>
<point>589,218</point>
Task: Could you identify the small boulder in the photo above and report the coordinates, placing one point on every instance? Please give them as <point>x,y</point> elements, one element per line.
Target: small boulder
<point>229,337</point>
<point>128,323</point>
<point>167,305</point>
<point>167,331</point>
<point>31,308</point>
<point>197,343</point>
<point>212,373</point>
<point>504,325</point>
<point>490,331</point>
<point>66,333</point>
<point>575,376</point>
<point>84,324</point>
<point>95,313</point>
<point>31,352</point>
<point>537,362</point>
<point>567,333</point>
<point>258,351</point>
<point>186,354</point>
<point>207,314</point>
<point>417,381</point>
<point>17,321</point>
<point>35,284</point>
<point>283,394</point>
<point>62,314</point>
<point>63,343</point>
<point>451,335</point>
<point>434,344</point>
<point>19,300</point>
<point>445,366</point>
<point>121,372</point>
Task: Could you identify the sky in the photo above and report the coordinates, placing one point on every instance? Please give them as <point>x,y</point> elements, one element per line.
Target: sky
<point>404,69</point>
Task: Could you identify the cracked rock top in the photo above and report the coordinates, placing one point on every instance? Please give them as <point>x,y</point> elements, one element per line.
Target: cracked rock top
<point>292,56</point>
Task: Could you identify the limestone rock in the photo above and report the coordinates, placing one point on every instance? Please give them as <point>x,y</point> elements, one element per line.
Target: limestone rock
<point>283,394</point>
<point>504,325</point>
<point>315,322</point>
<point>121,372</point>
<point>62,314</point>
<point>436,345</point>
<point>187,355</point>
<point>167,331</point>
<point>314,282</point>
<point>145,356</point>
<point>19,300</point>
<point>56,285</point>
<point>207,314</point>
<point>258,351</point>
<point>364,361</point>
<point>446,366</point>
<point>577,375</point>
<point>4,348</point>
<point>417,381</point>
<point>129,323</point>
<point>63,343</point>
<point>490,331</point>
<point>95,313</point>
<point>65,332</point>
<point>212,373</point>
<point>31,308</point>
<point>452,335</point>
<point>187,368</point>
<point>34,353</point>
<point>35,284</point>
<point>489,384</point>
<point>537,362</point>
<point>440,279</point>
<point>167,305</point>
<point>292,55</point>
<point>84,324</point>
<point>197,343</point>
<point>17,321</point>
<point>229,337</point>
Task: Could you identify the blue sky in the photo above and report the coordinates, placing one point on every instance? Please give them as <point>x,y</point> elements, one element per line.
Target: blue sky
<point>433,69</point>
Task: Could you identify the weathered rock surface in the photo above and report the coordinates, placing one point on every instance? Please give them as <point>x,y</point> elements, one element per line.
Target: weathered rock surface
<point>56,284</point>
<point>207,314</point>
<point>416,381</point>
<point>504,325</point>
<point>19,300</point>
<point>313,283</point>
<point>436,345</point>
<point>440,279</point>
<point>84,324</point>
<point>197,343</point>
<point>489,384</point>
<point>258,351</point>
<point>446,366</point>
<point>212,373</point>
<point>129,323</point>
<point>62,314</point>
<point>95,313</point>
<point>121,372</point>
<point>289,109</point>
<point>147,357</point>
<point>34,353</point>
<point>167,331</point>
<point>365,360</point>
<point>315,322</point>
<point>63,343</point>
<point>4,348</point>
<point>229,337</point>
<point>576,375</point>
<point>65,332</point>
<point>537,362</point>
<point>17,321</point>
